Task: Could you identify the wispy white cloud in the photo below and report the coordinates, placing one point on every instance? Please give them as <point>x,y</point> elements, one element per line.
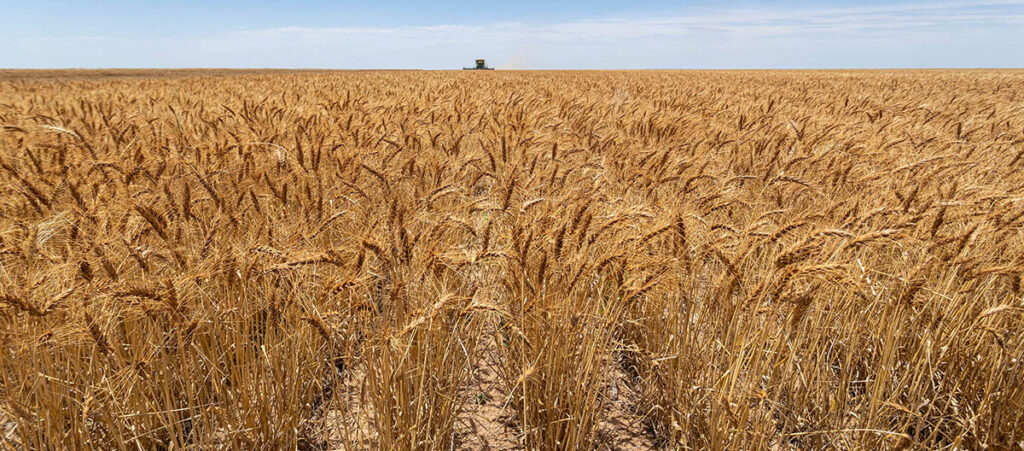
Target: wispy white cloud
<point>329,32</point>
<point>60,39</point>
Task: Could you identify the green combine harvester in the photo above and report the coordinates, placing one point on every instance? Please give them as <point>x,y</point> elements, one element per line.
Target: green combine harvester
<point>479,66</point>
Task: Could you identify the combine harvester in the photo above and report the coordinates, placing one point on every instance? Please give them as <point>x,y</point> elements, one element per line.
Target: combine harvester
<point>479,66</point>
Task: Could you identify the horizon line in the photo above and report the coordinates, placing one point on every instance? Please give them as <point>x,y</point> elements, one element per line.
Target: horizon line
<point>203,68</point>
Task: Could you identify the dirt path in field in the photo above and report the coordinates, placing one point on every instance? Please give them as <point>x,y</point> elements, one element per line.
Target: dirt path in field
<point>622,428</point>
<point>486,422</point>
<point>348,427</point>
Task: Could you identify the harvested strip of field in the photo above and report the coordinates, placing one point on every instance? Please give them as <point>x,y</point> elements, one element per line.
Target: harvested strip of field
<point>538,260</point>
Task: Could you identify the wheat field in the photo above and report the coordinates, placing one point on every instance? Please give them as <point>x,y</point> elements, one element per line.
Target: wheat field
<point>512,260</point>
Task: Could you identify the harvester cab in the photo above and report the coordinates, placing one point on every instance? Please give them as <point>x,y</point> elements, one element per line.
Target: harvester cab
<point>480,65</point>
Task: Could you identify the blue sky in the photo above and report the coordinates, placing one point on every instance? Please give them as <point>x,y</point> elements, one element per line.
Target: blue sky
<point>525,34</point>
